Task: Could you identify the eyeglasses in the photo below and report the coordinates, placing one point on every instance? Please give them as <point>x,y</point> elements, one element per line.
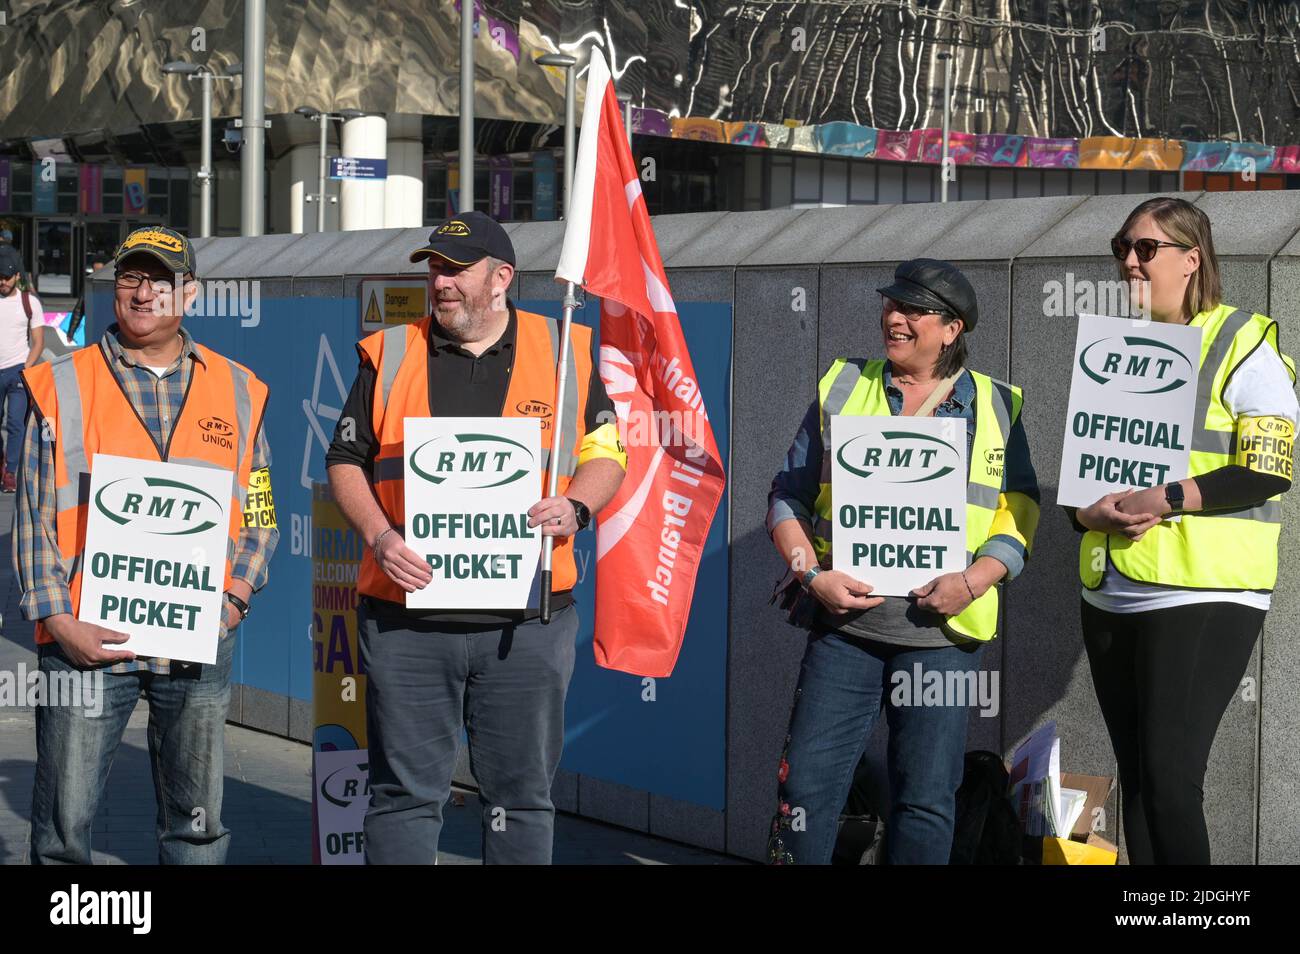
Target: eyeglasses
<point>1146,247</point>
<point>133,280</point>
<point>912,312</point>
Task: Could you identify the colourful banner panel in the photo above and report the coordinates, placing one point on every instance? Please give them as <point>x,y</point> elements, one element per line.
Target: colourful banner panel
<point>1204,156</point>
<point>1053,153</point>
<point>894,145</point>
<point>544,187</point>
<point>745,134</point>
<point>338,673</point>
<point>650,122</point>
<point>500,186</point>
<point>961,146</point>
<point>701,130</point>
<point>4,185</point>
<point>1248,157</point>
<point>135,190</point>
<point>777,135</point>
<point>1117,152</point>
<point>45,188</point>
<point>803,139</point>
<point>995,149</point>
<point>1287,159</point>
<point>91,192</point>
<point>846,139</point>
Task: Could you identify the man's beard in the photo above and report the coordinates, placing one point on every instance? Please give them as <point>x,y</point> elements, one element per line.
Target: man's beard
<point>468,322</point>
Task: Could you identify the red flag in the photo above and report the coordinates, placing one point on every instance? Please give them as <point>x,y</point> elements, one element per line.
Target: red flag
<point>650,538</point>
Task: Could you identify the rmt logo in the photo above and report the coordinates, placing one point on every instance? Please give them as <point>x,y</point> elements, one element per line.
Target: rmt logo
<point>216,431</point>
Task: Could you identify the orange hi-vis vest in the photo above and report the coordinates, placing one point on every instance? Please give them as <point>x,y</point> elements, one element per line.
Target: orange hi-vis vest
<point>400,357</point>
<point>83,403</point>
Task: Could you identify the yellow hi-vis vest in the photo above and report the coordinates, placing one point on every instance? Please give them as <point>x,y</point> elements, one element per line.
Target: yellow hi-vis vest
<point>1224,549</point>
<point>856,386</point>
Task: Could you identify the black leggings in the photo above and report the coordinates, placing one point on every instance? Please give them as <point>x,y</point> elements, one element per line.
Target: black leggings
<point>1164,679</point>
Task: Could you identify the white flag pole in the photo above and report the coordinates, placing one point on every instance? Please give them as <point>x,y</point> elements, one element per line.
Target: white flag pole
<point>573,262</point>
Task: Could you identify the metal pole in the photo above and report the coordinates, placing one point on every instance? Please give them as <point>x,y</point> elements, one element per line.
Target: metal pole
<point>557,437</point>
<point>323,119</point>
<point>466,160</point>
<point>947,104</point>
<point>252,155</point>
<point>626,100</point>
<point>205,169</point>
<point>570,133</point>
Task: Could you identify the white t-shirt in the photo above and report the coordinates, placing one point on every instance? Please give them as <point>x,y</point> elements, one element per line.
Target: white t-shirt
<point>1261,387</point>
<point>14,345</point>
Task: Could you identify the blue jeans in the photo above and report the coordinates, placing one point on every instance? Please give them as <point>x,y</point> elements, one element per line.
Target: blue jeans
<point>505,687</point>
<point>14,395</point>
<point>844,682</point>
<point>75,749</point>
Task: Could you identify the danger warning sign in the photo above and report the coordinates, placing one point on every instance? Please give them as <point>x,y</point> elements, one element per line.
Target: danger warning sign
<point>391,301</point>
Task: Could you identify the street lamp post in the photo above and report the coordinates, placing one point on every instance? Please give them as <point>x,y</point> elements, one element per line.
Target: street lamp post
<point>567,63</point>
<point>252,154</point>
<point>206,76</point>
<point>946,58</point>
<point>468,18</point>
<point>317,116</point>
<point>625,99</point>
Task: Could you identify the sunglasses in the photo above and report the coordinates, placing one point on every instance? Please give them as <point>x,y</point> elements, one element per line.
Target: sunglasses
<point>1146,247</point>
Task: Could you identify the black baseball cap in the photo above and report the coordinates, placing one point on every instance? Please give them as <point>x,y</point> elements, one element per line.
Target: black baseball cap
<point>938,286</point>
<point>11,263</point>
<point>466,238</point>
<point>166,245</point>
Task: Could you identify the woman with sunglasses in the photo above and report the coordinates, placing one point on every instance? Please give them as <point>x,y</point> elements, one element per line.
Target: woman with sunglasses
<point>1177,578</point>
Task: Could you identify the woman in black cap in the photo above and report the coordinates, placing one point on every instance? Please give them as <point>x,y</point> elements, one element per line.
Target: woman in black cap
<point>1172,608</point>
<point>865,652</point>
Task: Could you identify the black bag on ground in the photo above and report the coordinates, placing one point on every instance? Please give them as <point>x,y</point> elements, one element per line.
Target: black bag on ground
<point>985,831</point>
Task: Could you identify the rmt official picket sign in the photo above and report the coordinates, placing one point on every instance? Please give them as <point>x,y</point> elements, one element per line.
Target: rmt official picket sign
<point>1132,401</point>
<point>898,492</point>
<point>155,557</point>
<point>469,482</point>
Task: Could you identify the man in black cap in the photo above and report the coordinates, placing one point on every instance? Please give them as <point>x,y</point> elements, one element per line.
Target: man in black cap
<point>146,389</point>
<point>498,674</point>
<point>864,652</point>
<point>22,338</point>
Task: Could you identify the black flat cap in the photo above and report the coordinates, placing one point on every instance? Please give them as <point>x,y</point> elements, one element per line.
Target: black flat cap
<point>939,286</point>
<point>466,238</point>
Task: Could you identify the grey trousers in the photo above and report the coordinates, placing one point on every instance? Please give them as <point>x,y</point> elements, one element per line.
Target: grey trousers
<point>506,688</point>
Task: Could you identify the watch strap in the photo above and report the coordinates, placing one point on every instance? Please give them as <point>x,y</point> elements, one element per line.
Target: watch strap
<point>238,604</point>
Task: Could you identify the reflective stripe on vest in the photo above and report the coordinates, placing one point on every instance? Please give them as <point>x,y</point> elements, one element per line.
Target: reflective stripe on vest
<point>400,356</point>
<point>1234,549</point>
<point>856,386</point>
<point>217,387</point>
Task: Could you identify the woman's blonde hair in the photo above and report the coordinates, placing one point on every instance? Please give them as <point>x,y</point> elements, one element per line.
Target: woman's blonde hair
<point>1188,225</point>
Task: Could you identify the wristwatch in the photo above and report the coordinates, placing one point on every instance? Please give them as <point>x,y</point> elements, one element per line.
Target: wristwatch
<point>1174,496</point>
<point>238,604</point>
<point>806,580</point>
<point>581,511</point>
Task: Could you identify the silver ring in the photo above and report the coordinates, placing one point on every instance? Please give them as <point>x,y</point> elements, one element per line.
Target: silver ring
<point>557,521</point>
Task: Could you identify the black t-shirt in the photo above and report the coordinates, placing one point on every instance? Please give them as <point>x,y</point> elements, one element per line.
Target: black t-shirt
<point>460,385</point>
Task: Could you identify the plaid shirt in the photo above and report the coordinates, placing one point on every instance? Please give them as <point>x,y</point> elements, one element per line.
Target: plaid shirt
<point>35,540</point>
